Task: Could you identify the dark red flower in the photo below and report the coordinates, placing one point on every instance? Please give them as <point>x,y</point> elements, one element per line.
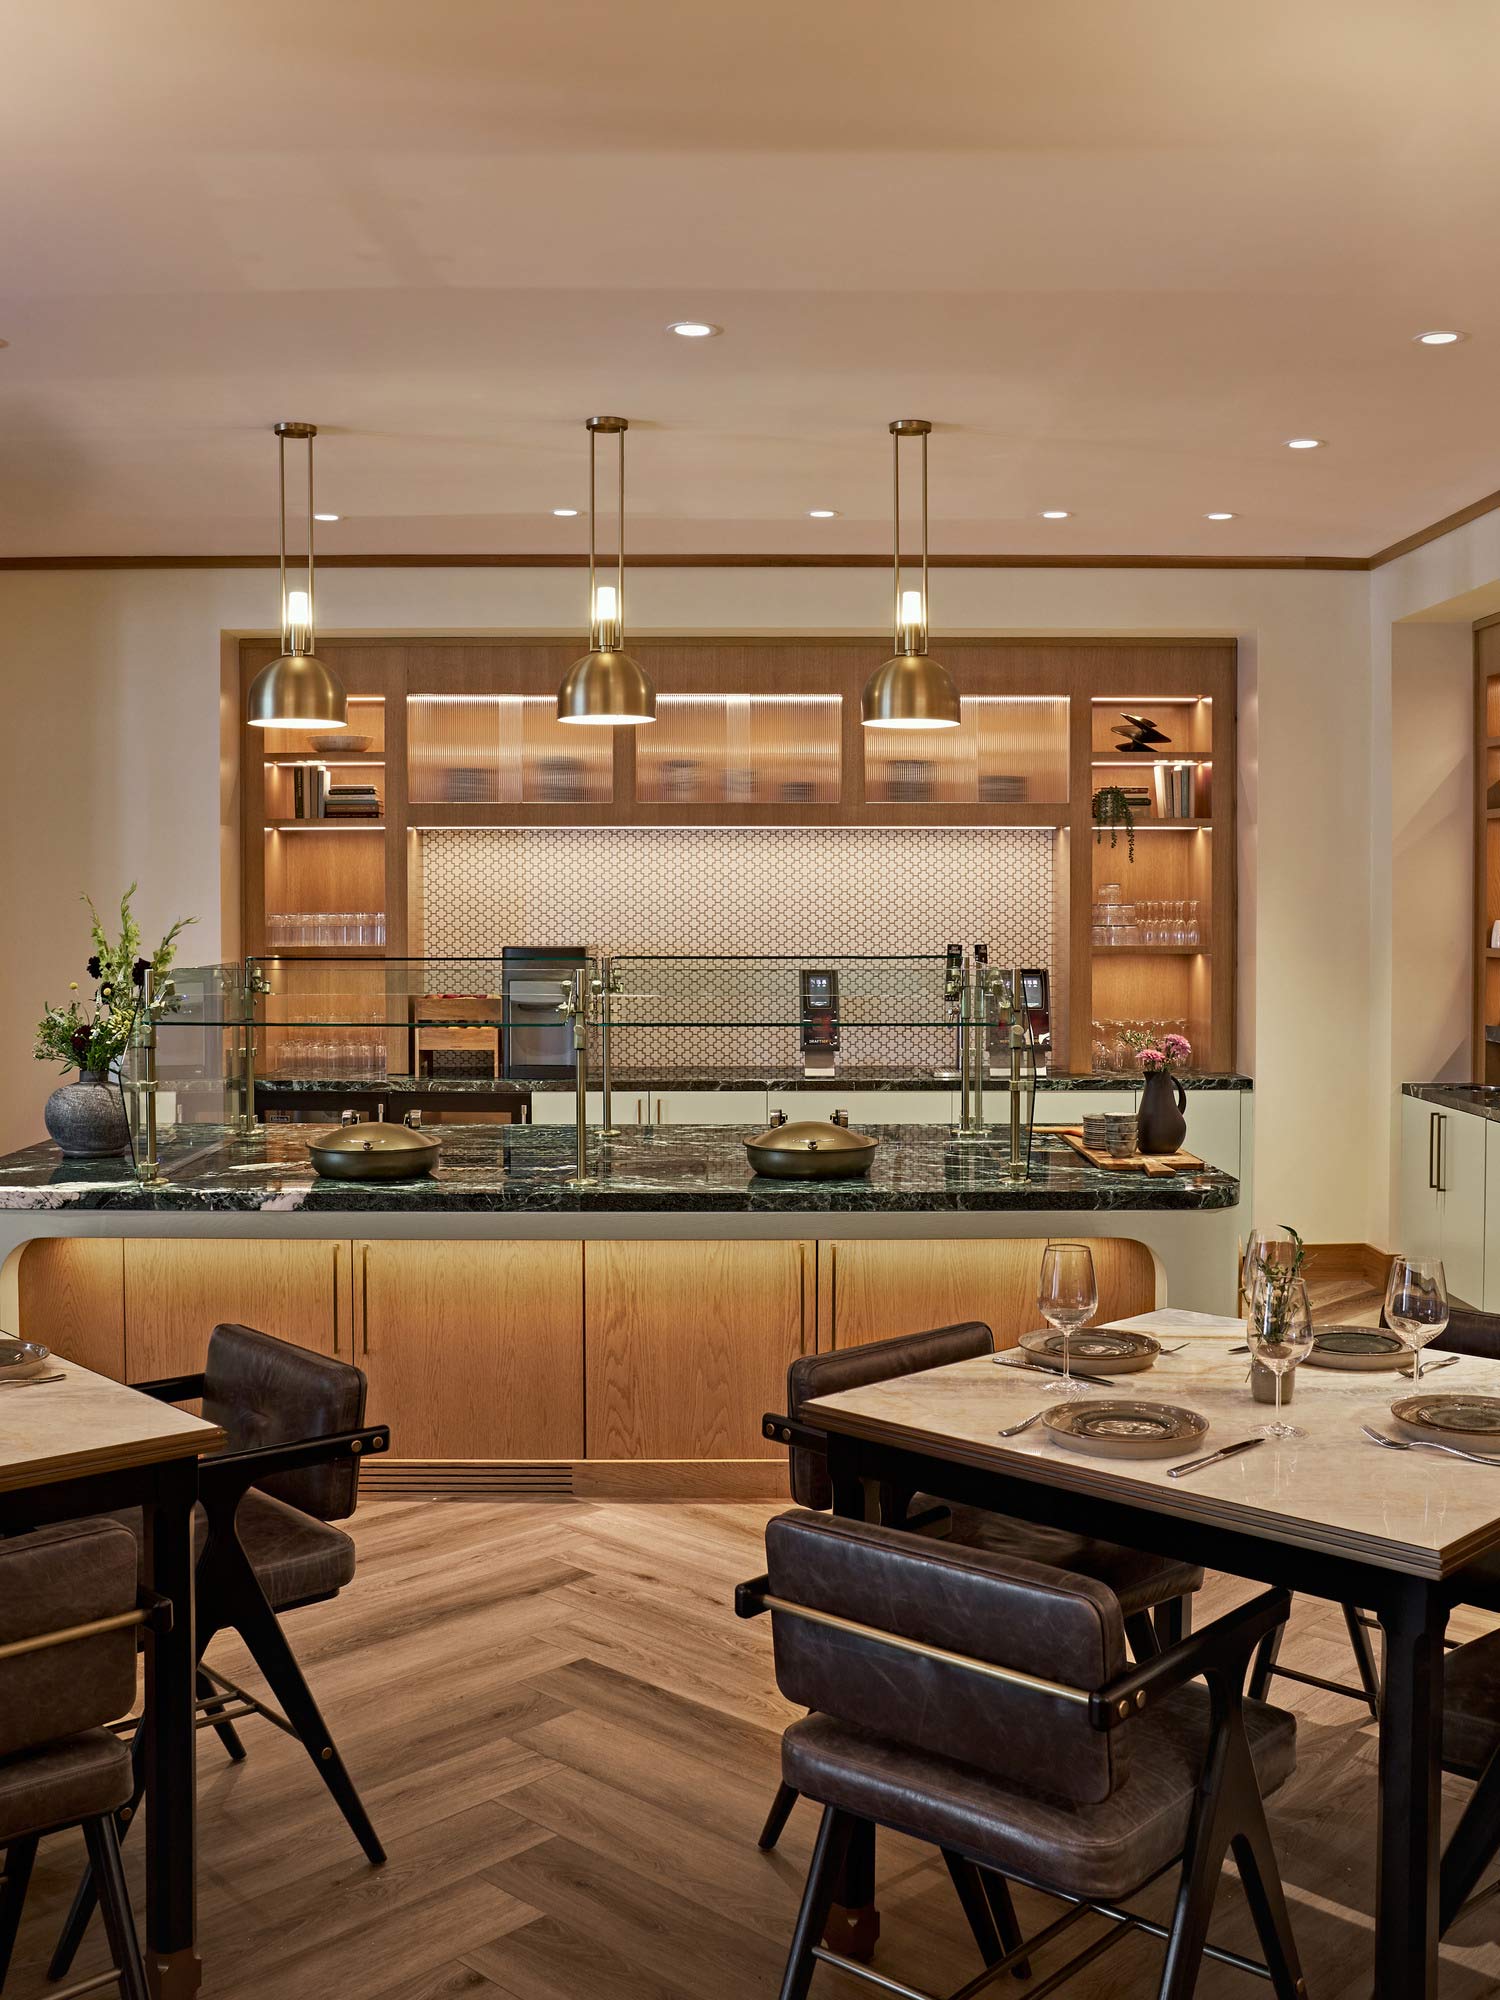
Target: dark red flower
<point>95,969</point>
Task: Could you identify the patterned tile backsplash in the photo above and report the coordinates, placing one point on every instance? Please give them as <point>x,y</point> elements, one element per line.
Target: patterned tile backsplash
<point>814,895</point>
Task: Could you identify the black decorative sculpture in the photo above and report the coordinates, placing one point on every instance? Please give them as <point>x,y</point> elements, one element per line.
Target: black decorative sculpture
<point>1142,734</point>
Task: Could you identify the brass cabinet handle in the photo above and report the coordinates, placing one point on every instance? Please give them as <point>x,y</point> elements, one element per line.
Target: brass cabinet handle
<point>658,1111</point>
<point>335,1298</point>
<point>1442,1163</point>
<point>1431,1149</point>
<point>802,1298</point>
<point>364,1292</point>
<point>833,1295</point>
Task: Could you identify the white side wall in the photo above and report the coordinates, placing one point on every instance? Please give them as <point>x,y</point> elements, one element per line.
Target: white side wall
<point>110,768</point>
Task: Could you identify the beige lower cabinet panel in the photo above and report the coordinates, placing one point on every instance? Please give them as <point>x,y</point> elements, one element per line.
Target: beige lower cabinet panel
<point>178,1289</point>
<point>686,1345</point>
<point>871,1290</point>
<point>69,1293</point>
<point>473,1350</point>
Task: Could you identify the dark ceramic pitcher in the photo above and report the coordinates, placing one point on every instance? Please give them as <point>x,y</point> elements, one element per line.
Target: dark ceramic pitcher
<point>1160,1124</point>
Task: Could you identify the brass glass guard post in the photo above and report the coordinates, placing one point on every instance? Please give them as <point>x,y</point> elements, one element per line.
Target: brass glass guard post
<point>254,984</point>
<point>606,983</point>
<point>147,1168</point>
<point>577,1005</point>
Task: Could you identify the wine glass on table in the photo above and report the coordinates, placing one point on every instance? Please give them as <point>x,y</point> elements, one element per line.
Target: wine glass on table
<point>1067,1298</point>
<point>1416,1304</point>
<point>1280,1331</point>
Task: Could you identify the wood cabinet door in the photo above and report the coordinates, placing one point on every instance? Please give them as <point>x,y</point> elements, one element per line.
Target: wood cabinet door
<point>687,1345</point>
<point>473,1350</point>
<point>177,1290</point>
<point>69,1293</point>
<point>874,1290</point>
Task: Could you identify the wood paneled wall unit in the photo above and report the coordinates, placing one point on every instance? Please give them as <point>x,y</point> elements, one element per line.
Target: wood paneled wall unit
<point>760,732</point>
<point>507,1368</point>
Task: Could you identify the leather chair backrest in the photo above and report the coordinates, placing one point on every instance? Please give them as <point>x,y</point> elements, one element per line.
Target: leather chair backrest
<point>50,1579</point>
<point>1008,1612</point>
<point>1471,1333</point>
<point>854,1368</point>
<point>263,1391</point>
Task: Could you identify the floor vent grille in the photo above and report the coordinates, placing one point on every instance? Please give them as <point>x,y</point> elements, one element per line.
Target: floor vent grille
<point>463,1479</point>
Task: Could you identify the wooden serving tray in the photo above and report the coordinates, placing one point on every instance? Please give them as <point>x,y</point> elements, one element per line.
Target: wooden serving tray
<point>1158,1166</point>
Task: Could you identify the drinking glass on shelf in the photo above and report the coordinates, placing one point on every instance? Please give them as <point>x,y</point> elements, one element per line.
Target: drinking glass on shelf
<point>1280,1331</point>
<point>1194,935</point>
<point>1416,1304</point>
<point>1067,1299</point>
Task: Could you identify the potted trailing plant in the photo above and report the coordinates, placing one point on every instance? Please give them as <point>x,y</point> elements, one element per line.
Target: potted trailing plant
<point>1111,812</point>
<point>1161,1122</point>
<point>87,1118</point>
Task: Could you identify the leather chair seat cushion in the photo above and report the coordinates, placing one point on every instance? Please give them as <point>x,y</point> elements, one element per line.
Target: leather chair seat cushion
<point>78,1779</point>
<point>1140,1581</point>
<point>1102,1851</point>
<point>1471,1705</point>
<point>295,1556</point>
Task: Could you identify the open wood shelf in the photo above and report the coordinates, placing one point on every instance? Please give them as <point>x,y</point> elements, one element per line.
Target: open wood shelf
<point>1151,951</point>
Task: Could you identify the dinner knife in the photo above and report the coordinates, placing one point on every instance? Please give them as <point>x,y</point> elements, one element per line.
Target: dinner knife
<point>1229,1451</point>
<point>1040,1368</point>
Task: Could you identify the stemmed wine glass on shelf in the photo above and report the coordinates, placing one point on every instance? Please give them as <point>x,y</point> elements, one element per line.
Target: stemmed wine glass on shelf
<point>1067,1299</point>
<point>1416,1304</point>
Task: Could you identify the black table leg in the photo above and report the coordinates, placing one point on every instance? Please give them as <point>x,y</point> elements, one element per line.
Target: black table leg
<point>1411,1734</point>
<point>173,1969</point>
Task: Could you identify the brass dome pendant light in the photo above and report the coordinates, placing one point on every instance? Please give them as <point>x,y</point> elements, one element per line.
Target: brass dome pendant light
<point>297,691</point>
<point>911,691</point>
<point>606,686</point>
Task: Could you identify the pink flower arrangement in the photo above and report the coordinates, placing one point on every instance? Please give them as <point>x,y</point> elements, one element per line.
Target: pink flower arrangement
<point>1174,1051</point>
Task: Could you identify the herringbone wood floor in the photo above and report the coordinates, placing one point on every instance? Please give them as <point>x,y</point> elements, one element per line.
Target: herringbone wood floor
<point>568,1742</point>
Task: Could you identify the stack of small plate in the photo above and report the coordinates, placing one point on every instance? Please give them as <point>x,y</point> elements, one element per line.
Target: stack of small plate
<point>1357,1348</point>
<point>1125,1429</point>
<point>1472,1422</point>
<point>1097,1350</point>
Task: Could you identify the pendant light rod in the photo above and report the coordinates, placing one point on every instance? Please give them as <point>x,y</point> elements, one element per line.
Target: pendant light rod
<point>297,691</point>
<point>607,634</point>
<point>910,639</point>
<point>606,686</point>
<point>910,691</point>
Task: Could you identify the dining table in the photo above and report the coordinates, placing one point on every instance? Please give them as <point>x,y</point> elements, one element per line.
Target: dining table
<point>77,1444</point>
<point>1402,1535</point>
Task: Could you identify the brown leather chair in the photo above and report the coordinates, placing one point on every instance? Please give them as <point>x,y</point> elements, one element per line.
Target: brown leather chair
<point>295,1424</point>
<point>1143,1584</point>
<point>985,1704</point>
<point>59,1766</point>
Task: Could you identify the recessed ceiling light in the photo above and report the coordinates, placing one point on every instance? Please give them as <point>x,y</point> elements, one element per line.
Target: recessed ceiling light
<point>328,517</point>
<point>1303,444</point>
<point>565,513</point>
<point>693,329</point>
<point>1438,337</point>
<point>822,513</point>
<point>1055,514</point>
<point>1218,517</point>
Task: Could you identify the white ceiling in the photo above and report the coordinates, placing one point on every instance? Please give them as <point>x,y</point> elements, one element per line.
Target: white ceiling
<point>1117,253</point>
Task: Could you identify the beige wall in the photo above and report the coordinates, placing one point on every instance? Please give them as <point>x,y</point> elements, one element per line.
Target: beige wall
<point>110,768</point>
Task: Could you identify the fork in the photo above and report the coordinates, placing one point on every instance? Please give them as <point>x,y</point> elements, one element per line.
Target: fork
<point>1420,1444</point>
<point>1015,1430</point>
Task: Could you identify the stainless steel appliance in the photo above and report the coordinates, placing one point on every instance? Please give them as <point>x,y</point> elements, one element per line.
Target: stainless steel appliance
<point>1036,999</point>
<point>811,1149</point>
<point>819,1018</point>
<point>537,1038</point>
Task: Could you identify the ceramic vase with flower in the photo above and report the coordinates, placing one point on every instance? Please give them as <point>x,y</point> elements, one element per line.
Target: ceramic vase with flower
<point>1161,1122</point>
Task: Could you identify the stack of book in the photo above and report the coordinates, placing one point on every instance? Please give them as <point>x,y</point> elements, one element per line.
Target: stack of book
<point>1174,791</point>
<point>351,802</point>
<point>1138,798</point>
<point>309,784</point>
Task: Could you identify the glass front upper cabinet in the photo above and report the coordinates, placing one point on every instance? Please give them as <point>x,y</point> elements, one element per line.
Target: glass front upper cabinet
<point>741,750</point>
<point>1008,750</point>
<point>500,749</point>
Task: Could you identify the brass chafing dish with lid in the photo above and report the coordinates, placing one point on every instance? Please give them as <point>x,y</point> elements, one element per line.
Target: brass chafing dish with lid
<point>811,1149</point>
<point>373,1152</point>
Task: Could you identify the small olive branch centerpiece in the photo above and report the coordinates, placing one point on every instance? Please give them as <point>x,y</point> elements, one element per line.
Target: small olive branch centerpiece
<point>1279,1277</point>
<point>1111,812</point>
<point>1174,1053</point>
<point>91,1036</point>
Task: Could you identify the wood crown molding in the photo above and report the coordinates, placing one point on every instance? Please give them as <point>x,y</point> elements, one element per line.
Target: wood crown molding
<point>1473,512</point>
